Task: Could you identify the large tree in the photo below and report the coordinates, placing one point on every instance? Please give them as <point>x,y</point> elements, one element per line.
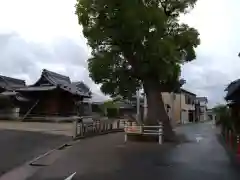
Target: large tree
<point>138,43</point>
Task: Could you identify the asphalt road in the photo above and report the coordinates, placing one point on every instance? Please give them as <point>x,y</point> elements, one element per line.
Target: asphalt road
<point>199,156</point>
<point>18,147</point>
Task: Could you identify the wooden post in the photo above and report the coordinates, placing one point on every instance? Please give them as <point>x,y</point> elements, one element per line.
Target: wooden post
<point>125,132</point>
<point>75,128</point>
<point>125,137</point>
<point>230,138</point>
<point>81,129</point>
<point>160,133</point>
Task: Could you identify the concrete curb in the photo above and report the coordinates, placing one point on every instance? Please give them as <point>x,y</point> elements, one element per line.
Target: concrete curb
<point>47,153</point>
<point>28,168</point>
<point>70,143</point>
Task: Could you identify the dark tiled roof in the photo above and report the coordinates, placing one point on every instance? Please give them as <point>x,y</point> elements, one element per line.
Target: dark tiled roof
<point>66,87</point>
<point>55,78</point>
<point>51,79</point>
<point>9,93</point>
<point>36,88</point>
<point>14,94</point>
<point>232,88</point>
<point>9,83</point>
<point>74,90</point>
<point>82,87</point>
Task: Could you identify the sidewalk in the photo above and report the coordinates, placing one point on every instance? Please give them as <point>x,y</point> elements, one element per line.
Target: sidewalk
<point>107,157</point>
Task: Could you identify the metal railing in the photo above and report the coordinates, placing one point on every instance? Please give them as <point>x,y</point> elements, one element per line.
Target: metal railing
<point>133,128</point>
<point>83,128</point>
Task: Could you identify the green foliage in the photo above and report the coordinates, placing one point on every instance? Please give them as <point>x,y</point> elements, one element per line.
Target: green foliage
<point>110,108</point>
<point>110,104</point>
<point>223,116</point>
<point>133,41</point>
<point>112,112</point>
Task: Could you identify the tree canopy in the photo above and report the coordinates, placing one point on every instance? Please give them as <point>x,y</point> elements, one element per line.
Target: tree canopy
<point>134,41</point>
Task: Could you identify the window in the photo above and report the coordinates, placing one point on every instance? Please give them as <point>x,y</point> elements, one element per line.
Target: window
<point>202,109</point>
<point>188,100</point>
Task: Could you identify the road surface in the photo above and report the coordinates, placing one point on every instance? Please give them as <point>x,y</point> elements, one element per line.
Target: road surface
<point>199,156</point>
<point>18,147</point>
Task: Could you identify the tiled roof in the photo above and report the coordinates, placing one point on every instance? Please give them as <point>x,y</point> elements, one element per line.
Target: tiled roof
<point>9,83</point>
<point>232,87</point>
<point>74,90</point>
<point>55,78</point>
<point>36,88</point>
<point>14,94</point>
<point>82,87</point>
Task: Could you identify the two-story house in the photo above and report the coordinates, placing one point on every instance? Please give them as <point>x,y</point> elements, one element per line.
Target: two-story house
<point>203,101</point>
<point>187,106</point>
<point>180,106</point>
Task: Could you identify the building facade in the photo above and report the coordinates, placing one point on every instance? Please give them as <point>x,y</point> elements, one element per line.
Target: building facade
<point>9,99</point>
<point>53,95</point>
<point>181,107</point>
<point>203,101</point>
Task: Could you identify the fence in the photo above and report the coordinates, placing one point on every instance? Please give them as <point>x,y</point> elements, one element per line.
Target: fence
<point>133,128</point>
<point>232,140</point>
<point>83,128</point>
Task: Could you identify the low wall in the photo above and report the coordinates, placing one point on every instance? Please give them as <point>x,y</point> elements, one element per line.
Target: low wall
<point>12,113</point>
<point>82,130</point>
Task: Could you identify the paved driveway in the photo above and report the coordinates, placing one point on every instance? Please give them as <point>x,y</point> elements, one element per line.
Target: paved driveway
<point>44,127</point>
<point>198,157</point>
<point>18,147</point>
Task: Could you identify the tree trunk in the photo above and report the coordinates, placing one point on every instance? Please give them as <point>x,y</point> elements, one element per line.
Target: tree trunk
<point>156,110</point>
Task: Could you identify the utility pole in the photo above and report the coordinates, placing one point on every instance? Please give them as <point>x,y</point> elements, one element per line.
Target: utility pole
<point>145,107</point>
<point>181,107</point>
<point>172,111</point>
<point>138,106</point>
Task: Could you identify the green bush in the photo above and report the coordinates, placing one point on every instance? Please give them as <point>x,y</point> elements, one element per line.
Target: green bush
<point>112,112</point>
<point>224,118</point>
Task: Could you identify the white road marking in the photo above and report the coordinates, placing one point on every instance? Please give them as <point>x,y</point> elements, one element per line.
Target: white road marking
<point>71,176</point>
<point>199,137</point>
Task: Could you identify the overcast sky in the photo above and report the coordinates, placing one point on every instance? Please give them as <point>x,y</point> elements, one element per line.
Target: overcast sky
<point>37,34</point>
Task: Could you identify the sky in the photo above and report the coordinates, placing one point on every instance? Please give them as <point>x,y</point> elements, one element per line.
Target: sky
<point>37,34</point>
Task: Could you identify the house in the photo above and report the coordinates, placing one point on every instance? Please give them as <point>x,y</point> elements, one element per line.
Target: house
<point>9,97</point>
<point>180,106</point>
<point>211,115</point>
<point>233,99</point>
<point>188,107</point>
<point>52,95</point>
<point>203,101</point>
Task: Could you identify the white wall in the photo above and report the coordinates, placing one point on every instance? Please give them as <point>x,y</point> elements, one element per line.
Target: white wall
<point>185,119</point>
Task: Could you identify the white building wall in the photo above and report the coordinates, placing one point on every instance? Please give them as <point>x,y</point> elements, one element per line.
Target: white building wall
<point>203,113</point>
<point>185,118</point>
